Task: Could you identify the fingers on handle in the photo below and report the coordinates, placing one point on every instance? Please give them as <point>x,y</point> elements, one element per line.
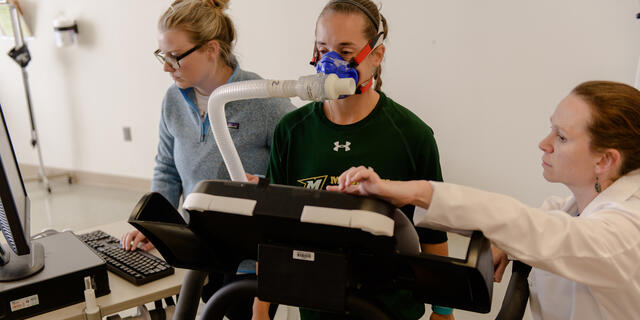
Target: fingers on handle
<point>499,269</point>
<point>352,174</point>
<point>251,178</point>
<point>342,179</point>
<point>353,189</point>
<point>497,276</point>
<point>333,188</point>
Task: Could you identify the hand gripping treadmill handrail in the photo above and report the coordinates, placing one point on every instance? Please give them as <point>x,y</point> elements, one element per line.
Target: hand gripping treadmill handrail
<point>316,248</point>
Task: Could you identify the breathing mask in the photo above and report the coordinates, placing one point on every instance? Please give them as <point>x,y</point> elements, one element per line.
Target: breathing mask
<point>332,62</point>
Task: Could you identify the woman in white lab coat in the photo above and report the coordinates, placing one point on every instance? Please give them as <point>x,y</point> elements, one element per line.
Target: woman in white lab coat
<point>585,249</point>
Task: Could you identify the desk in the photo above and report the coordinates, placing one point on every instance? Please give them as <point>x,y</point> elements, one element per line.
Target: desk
<point>124,295</point>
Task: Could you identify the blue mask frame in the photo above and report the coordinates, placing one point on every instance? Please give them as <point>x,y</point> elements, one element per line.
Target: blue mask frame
<point>333,63</point>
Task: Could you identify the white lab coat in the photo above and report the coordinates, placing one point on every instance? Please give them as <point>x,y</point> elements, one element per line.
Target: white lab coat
<point>585,267</point>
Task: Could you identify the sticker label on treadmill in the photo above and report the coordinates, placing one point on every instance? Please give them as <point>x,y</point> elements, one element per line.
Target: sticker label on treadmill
<point>304,255</point>
<point>24,303</point>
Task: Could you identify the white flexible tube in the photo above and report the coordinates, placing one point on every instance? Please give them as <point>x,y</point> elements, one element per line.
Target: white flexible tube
<point>317,87</point>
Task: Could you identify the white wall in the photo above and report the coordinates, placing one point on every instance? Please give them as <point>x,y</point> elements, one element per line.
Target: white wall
<point>485,75</point>
<point>82,96</point>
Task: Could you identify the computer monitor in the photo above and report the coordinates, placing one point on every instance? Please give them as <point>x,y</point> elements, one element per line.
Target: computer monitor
<point>20,258</point>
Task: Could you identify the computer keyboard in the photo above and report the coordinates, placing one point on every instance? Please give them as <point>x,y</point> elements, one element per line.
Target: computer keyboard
<point>137,267</point>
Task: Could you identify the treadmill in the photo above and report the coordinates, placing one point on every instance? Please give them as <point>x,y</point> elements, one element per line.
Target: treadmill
<point>315,249</point>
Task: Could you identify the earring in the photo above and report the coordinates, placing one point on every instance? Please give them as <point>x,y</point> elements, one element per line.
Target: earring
<point>598,186</point>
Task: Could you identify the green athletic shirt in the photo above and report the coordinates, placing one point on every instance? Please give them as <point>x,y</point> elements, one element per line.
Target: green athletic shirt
<point>310,151</point>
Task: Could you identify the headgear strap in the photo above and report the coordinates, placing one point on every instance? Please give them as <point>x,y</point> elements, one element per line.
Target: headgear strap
<point>359,6</point>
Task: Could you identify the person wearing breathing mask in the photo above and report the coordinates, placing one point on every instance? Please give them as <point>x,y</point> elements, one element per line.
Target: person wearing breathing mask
<point>314,144</point>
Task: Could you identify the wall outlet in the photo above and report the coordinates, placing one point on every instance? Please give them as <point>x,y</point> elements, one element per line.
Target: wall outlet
<point>126,131</point>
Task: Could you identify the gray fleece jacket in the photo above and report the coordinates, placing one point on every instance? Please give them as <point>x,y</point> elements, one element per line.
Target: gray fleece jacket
<point>187,151</point>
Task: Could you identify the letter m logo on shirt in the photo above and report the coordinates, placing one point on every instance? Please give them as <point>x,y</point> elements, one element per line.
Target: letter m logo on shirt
<point>316,183</point>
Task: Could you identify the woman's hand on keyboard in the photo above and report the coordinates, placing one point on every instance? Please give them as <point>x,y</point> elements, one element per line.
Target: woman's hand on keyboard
<point>132,239</point>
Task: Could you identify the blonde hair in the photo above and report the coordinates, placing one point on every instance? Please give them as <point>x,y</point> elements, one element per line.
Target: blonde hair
<point>203,21</point>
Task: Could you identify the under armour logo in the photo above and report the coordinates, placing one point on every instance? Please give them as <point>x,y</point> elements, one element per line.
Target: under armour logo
<point>338,146</point>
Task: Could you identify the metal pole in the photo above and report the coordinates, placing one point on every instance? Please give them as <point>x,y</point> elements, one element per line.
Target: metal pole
<point>17,35</point>
<point>190,295</point>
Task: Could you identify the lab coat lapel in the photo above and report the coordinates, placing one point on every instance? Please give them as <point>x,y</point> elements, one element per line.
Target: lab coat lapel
<point>618,192</point>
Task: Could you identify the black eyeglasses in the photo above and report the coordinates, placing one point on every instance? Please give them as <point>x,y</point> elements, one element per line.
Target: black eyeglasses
<point>174,62</point>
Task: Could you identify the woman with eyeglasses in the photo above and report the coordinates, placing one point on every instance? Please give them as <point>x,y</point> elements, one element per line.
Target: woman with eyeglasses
<point>584,249</point>
<point>195,47</point>
<point>314,144</point>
